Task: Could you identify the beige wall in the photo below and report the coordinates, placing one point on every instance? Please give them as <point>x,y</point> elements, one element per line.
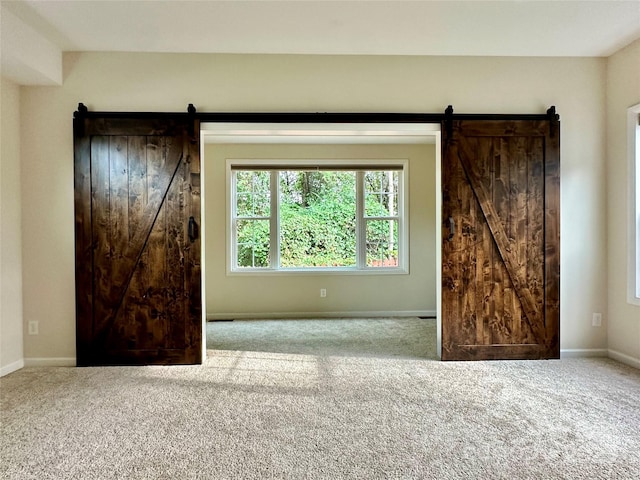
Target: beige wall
<point>239,296</point>
<point>11,325</point>
<point>623,91</point>
<point>168,82</point>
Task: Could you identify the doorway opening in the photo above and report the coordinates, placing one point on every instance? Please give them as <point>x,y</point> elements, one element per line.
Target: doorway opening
<point>326,293</point>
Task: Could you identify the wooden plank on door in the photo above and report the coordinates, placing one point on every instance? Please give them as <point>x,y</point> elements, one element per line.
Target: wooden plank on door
<point>193,265</point>
<point>83,240</point>
<point>551,161</point>
<point>174,292</point>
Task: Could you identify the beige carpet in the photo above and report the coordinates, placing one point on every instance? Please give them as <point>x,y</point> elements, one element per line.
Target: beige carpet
<point>249,414</point>
<point>362,337</point>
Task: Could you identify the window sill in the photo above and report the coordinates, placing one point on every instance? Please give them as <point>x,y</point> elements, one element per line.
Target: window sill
<point>319,271</point>
<point>632,300</point>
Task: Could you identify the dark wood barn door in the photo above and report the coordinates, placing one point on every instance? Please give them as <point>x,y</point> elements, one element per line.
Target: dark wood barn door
<point>500,242</point>
<point>137,212</point>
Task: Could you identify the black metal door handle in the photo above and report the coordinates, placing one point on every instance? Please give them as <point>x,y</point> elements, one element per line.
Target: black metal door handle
<point>452,228</point>
<point>192,230</point>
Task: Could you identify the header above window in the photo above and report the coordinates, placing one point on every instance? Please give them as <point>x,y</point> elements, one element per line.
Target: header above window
<point>321,133</point>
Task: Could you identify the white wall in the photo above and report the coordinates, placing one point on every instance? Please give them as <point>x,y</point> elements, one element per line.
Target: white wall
<point>11,325</point>
<point>623,91</point>
<point>242,296</point>
<point>168,82</point>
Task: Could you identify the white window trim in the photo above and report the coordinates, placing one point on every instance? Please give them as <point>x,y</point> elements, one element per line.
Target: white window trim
<point>633,138</point>
<point>403,227</point>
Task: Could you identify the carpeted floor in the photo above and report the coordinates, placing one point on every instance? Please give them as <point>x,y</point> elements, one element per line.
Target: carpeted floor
<point>252,414</point>
<point>361,337</point>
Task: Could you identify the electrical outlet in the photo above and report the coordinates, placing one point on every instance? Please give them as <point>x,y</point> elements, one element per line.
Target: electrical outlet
<point>33,327</point>
<point>597,320</point>
<point>323,292</point>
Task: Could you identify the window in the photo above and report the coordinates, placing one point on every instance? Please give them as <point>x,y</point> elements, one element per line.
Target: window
<point>319,216</point>
<point>633,117</point>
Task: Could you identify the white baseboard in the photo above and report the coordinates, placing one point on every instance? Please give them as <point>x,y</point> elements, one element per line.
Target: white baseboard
<point>565,353</point>
<point>626,359</point>
<point>12,367</point>
<point>272,315</point>
<point>583,352</point>
<point>50,362</point>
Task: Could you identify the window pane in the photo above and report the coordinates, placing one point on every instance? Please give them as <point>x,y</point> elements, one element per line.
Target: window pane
<point>381,193</point>
<point>317,219</point>
<point>243,204</point>
<point>252,243</point>
<point>382,243</point>
<point>252,194</point>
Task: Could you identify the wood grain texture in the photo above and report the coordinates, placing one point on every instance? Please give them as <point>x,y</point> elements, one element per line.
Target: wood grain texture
<point>101,234</point>
<point>83,241</point>
<point>193,265</point>
<point>505,247</point>
<point>135,308</point>
<point>552,237</point>
<point>495,187</point>
<point>129,124</point>
<point>138,307</point>
<point>175,271</point>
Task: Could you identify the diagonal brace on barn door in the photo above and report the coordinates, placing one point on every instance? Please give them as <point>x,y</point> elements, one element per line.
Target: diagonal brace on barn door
<point>125,267</point>
<point>461,150</point>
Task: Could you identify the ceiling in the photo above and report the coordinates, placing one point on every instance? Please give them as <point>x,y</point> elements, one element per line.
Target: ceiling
<point>522,28</point>
<point>395,27</point>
